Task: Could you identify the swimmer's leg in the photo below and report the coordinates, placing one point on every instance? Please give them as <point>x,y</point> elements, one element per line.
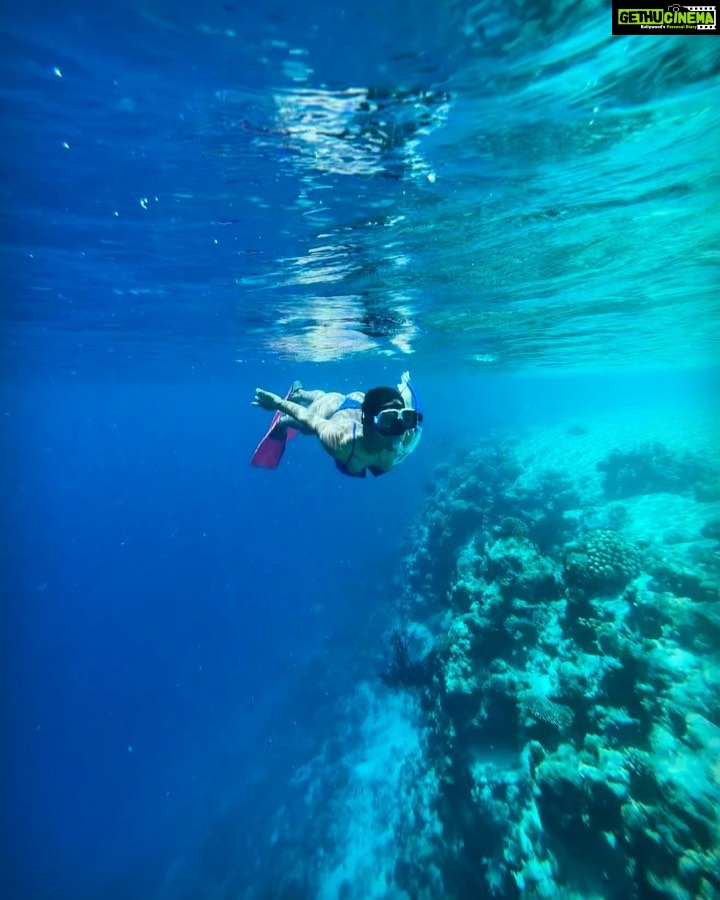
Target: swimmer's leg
<point>285,421</point>
<point>305,398</point>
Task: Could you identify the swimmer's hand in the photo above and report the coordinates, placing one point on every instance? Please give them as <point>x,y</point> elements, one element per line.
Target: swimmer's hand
<point>265,399</point>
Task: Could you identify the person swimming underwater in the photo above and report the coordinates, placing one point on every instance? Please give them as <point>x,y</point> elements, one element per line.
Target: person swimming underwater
<point>373,431</point>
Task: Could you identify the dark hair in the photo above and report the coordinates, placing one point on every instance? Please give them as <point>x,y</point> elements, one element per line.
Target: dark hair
<point>377,399</point>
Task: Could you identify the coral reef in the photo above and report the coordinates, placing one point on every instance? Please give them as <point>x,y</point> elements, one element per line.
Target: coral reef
<point>653,468</point>
<point>573,705</point>
<point>401,670</point>
<point>711,530</point>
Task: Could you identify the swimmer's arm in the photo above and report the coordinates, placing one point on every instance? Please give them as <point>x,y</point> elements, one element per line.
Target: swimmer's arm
<point>332,437</point>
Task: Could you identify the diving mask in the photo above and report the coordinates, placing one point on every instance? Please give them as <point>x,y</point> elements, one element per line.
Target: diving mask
<point>393,422</point>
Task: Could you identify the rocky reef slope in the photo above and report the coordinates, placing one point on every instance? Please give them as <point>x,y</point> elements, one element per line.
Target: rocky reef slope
<point>565,617</point>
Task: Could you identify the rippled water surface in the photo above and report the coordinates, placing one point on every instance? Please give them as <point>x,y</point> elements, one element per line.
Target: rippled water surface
<point>509,186</point>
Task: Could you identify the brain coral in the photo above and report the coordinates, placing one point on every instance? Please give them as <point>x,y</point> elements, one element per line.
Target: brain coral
<point>511,526</point>
<point>601,559</point>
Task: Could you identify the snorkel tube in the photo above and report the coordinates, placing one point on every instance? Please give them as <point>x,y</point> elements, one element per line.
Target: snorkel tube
<point>412,400</point>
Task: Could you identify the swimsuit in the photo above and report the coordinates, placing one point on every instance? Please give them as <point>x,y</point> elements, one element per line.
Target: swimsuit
<point>350,403</point>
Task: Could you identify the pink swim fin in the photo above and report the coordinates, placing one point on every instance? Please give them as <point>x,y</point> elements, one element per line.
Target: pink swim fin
<point>270,449</point>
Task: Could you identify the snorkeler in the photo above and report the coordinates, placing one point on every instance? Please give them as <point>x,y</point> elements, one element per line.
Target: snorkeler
<point>374,431</point>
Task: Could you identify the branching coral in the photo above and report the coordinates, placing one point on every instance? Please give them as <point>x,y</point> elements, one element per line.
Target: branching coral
<point>401,670</point>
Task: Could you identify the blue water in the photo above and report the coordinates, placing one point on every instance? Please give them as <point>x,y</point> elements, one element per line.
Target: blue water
<point>198,201</point>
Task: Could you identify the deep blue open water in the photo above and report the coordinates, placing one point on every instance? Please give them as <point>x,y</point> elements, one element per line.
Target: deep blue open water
<point>202,199</point>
